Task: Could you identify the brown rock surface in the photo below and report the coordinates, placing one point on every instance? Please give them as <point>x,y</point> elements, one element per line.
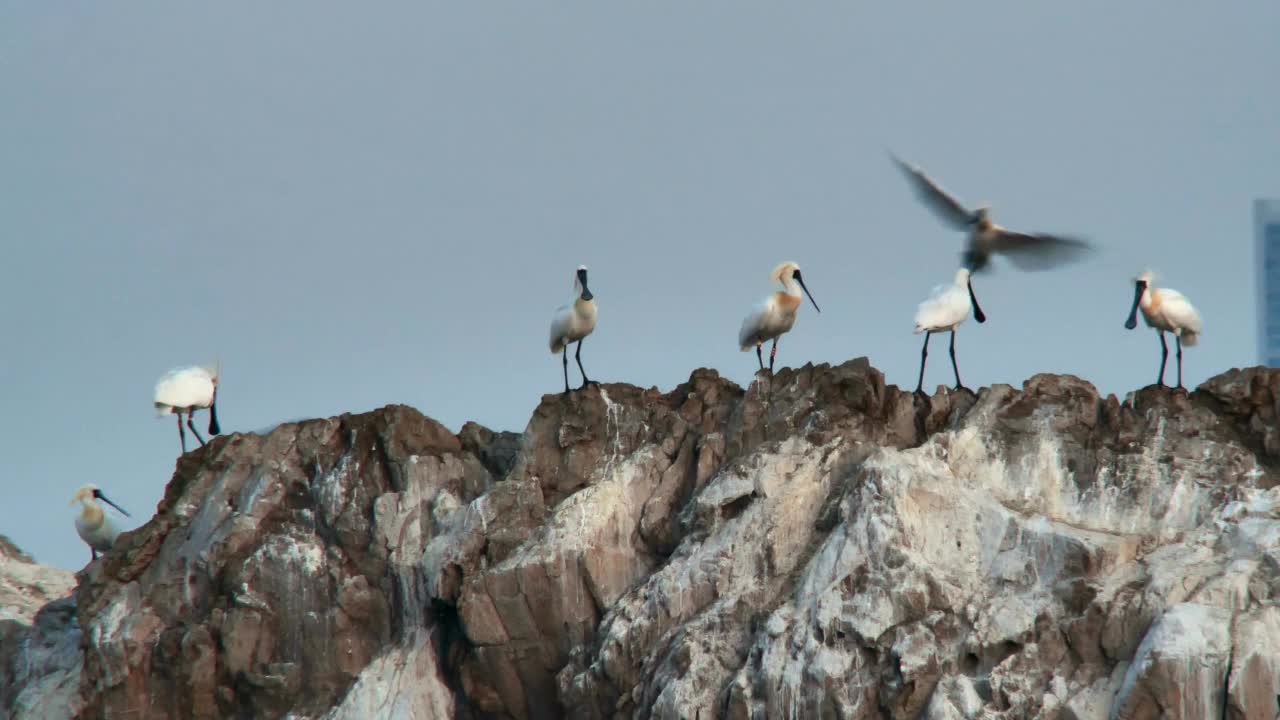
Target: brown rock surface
<point>817,545</point>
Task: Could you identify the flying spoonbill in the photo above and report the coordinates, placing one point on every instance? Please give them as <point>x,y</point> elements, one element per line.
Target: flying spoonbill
<point>186,390</point>
<point>92,524</point>
<point>775,315</point>
<point>1165,310</point>
<point>946,308</point>
<point>1027,251</point>
<point>572,323</point>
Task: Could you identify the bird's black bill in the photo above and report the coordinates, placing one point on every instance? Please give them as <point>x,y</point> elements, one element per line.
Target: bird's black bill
<point>1132,322</point>
<point>977,309</point>
<point>98,494</point>
<point>800,280</point>
<point>582,280</point>
<point>214,428</point>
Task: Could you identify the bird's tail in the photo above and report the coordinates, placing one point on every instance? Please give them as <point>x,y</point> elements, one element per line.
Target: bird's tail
<point>1190,338</point>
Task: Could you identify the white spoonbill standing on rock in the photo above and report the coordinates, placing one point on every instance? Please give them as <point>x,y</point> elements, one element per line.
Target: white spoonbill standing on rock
<point>572,323</point>
<point>946,308</point>
<point>1165,310</point>
<point>775,315</point>
<point>92,524</point>
<point>186,390</point>
<point>1027,251</point>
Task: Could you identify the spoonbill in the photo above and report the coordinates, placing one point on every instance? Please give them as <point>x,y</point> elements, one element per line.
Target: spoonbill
<point>186,390</point>
<point>1027,251</point>
<point>775,315</point>
<point>1165,310</point>
<point>946,308</point>
<point>572,323</point>
<point>92,524</point>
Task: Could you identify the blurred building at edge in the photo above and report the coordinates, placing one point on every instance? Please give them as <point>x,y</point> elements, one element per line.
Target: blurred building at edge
<point>1266,221</point>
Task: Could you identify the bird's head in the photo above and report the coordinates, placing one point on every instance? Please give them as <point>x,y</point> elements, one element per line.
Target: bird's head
<point>89,493</point>
<point>85,494</point>
<point>981,215</point>
<point>790,271</point>
<point>784,272</point>
<point>580,284</point>
<point>1140,285</point>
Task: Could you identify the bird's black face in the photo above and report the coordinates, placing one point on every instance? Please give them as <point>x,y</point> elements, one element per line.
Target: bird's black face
<point>97,494</point>
<point>1139,287</point>
<point>582,280</point>
<point>795,274</point>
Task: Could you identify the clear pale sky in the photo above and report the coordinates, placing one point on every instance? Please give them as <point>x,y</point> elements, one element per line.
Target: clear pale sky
<point>355,205</point>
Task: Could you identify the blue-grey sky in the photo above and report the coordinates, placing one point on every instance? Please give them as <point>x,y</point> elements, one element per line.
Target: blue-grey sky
<point>354,205</point>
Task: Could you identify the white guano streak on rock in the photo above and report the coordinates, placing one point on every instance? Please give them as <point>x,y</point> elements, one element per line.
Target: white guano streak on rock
<point>402,683</point>
<point>1144,501</point>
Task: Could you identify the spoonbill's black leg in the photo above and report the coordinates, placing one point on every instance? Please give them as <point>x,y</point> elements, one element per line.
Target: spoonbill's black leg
<point>577,355</point>
<point>773,353</point>
<point>182,435</point>
<point>956,368</point>
<point>565,362</point>
<point>759,357</point>
<point>1164,358</point>
<point>191,424</point>
<point>924,353</point>
<point>1177,339</point>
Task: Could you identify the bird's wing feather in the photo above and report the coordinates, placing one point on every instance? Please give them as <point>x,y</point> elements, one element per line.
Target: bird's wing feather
<point>943,204</point>
<point>752,324</point>
<point>185,387</point>
<point>947,305</point>
<point>1179,310</point>
<point>561,324</point>
<point>1038,251</point>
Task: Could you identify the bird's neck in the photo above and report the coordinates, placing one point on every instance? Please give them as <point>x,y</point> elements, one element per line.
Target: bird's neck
<point>788,300</point>
<point>91,513</point>
<point>1150,300</point>
<point>581,305</point>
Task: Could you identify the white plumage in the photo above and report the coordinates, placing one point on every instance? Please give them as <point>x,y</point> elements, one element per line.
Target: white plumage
<point>947,306</point>
<point>185,390</point>
<point>775,315</point>
<point>1169,310</point>
<point>92,524</point>
<point>1165,310</point>
<point>573,322</point>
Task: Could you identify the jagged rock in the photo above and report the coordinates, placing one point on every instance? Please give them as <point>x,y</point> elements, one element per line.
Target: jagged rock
<point>1180,669</point>
<point>39,640</point>
<point>819,544</point>
<point>1253,687</point>
<point>26,586</point>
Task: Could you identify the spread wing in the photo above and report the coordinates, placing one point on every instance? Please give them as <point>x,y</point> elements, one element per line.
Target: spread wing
<point>1038,251</point>
<point>946,207</point>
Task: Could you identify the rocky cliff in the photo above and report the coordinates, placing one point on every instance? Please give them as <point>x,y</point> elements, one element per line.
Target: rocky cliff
<point>817,545</point>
